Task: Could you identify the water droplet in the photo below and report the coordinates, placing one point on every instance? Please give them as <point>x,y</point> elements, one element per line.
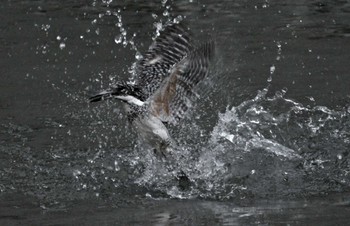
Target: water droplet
<point>154,16</point>
<point>125,43</point>
<point>279,94</point>
<point>76,173</point>
<point>138,55</point>
<point>45,27</point>
<point>118,39</point>
<point>166,13</point>
<point>311,99</point>
<point>62,45</point>
<point>116,166</point>
<point>284,90</point>
<point>272,69</point>
<point>178,19</point>
<point>279,46</point>
<point>58,37</point>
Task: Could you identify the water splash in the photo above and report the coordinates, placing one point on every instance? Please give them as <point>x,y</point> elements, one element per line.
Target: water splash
<point>266,146</point>
<point>245,125</point>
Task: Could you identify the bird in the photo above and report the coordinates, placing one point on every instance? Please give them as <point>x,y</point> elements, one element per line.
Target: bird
<point>164,86</point>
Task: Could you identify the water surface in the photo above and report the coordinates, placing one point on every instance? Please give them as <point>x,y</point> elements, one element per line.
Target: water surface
<point>267,143</point>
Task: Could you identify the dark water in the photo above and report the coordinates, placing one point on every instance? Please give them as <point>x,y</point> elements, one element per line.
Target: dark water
<point>268,143</point>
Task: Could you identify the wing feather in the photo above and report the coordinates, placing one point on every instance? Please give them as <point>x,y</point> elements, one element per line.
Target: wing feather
<point>170,47</point>
<point>196,70</point>
<point>177,92</point>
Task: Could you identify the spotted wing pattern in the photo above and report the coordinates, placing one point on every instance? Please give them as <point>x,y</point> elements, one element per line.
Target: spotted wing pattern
<point>170,47</point>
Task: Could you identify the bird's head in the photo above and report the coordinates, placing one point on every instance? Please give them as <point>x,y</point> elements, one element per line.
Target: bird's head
<point>128,93</point>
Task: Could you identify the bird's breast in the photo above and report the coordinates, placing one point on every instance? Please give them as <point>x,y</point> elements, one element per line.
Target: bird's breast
<point>151,129</point>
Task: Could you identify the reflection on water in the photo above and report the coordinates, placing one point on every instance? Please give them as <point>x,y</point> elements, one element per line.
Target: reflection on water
<point>333,210</point>
<point>273,120</point>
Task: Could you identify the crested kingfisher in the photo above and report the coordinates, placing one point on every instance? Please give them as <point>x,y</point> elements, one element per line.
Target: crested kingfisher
<point>163,89</point>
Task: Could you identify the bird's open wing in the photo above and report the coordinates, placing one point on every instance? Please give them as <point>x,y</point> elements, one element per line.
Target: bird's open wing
<point>170,47</point>
<point>176,93</point>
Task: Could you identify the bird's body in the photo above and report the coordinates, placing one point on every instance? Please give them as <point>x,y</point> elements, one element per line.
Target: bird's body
<point>153,132</point>
<point>164,87</point>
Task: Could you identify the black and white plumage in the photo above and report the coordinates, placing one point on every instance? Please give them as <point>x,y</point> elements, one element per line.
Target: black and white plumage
<point>164,87</point>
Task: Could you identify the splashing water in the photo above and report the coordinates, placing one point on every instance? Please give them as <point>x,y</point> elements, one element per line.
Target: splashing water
<point>263,147</point>
<point>266,146</point>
